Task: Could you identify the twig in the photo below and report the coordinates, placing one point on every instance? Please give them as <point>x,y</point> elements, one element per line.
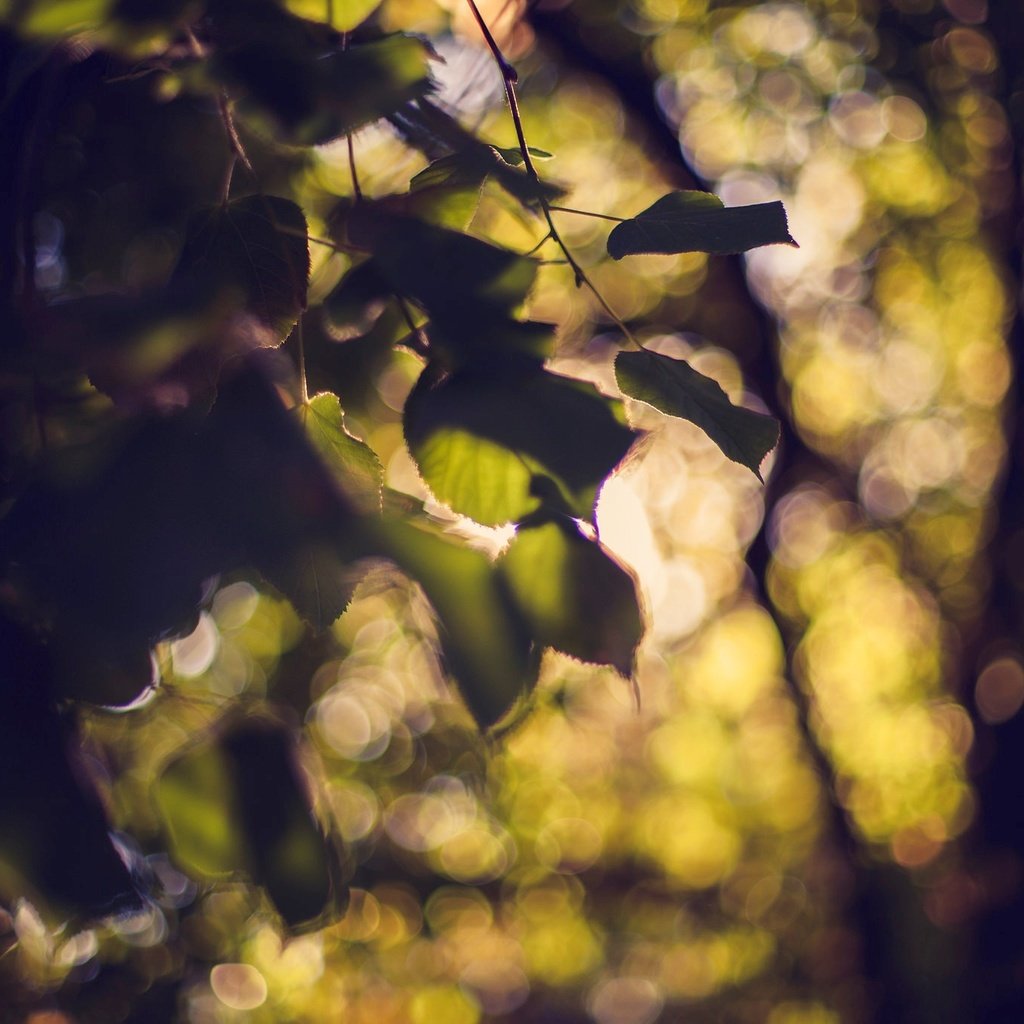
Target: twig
<point>510,77</point>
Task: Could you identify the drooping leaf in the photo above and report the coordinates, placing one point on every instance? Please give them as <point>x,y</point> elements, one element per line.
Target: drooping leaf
<point>239,806</point>
<point>699,222</point>
<point>496,442</point>
<point>574,595</point>
<point>460,157</point>
<point>483,637</point>
<point>305,90</point>
<point>354,463</point>
<point>675,388</point>
<point>255,251</point>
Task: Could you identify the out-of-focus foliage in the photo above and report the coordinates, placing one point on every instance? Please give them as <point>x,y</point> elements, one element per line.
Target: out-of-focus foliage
<point>689,857</point>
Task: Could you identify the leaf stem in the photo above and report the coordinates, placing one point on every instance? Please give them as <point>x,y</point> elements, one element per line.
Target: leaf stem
<point>422,346</point>
<point>510,77</point>
<point>585,213</point>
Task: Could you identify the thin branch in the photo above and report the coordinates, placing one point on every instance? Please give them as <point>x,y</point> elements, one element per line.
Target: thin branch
<point>509,77</point>
<point>356,190</point>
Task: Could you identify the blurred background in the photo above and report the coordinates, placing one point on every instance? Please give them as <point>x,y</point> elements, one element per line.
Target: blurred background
<point>816,814</point>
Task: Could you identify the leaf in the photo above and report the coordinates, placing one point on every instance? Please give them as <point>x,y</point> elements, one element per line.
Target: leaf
<point>675,388</point>
<point>514,155</point>
<point>460,157</point>
<point>282,500</point>
<point>468,288</point>
<point>357,301</point>
<point>55,840</point>
<point>239,805</point>
<point>354,463</point>
<point>256,250</point>
<point>495,442</point>
<point>305,90</point>
<point>345,15</point>
<point>483,637</point>
<point>574,595</point>
<point>699,222</point>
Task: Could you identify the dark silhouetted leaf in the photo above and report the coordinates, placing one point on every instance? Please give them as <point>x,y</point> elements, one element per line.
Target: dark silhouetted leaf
<point>240,805</point>
<point>574,595</point>
<point>699,222</point>
<point>483,637</point>
<point>254,250</point>
<point>356,302</point>
<point>461,158</point>
<point>281,500</point>
<point>54,838</point>
<point>674,387</point>
<point>492,443</point>
<point>306,91</point>
<point>468,288</point>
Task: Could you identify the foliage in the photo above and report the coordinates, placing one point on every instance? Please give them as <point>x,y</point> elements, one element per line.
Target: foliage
<point>199,456</point>
<point>346,473</point>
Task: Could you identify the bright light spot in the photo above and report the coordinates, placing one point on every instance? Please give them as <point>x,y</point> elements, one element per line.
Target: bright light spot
<point>192,655</point>
<point>626,1001</point>
<point>353,725</point>
<point>499,987</point>
<point>235,605</point>
<point>999,693</point>
<point>238,986</point>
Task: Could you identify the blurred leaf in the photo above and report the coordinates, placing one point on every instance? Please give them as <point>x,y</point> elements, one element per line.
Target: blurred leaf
<point>699,222</point>
<point>343,15</point>
<point>483,637</point>
<point>493,442</point>
<point>675,388</point>
<point>357,301</point>
<point>307,91</point>
<point>240,804</point>
<point>255,248</point>
<point>575,597</point>
<point>53,831</point>
<point>281,499</point>
<point>354,463</point>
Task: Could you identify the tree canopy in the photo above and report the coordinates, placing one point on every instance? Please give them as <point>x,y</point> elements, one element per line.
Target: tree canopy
<point>388,413</point>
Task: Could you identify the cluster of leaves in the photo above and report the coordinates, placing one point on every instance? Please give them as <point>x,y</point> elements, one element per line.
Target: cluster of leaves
<point>195,450</point>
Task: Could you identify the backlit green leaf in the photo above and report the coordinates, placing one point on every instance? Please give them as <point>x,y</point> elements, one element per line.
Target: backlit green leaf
<point>574,595</point>
<point>699,222</point>
<point>343,15</point>
<point>493,443</point>
<point>354,463</point>
<point>675,388</point>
